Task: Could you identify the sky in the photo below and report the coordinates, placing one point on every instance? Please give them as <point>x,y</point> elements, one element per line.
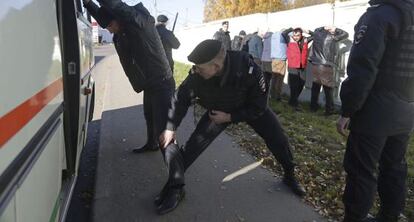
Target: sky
<point>190,12</point>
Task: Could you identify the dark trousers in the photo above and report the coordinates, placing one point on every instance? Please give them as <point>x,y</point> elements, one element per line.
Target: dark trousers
<point>329,101</point>
<point>267,126</point>
<point>157,101</point>
<point>363,154</point>
<point>296,85</point>
<point>276,85</point>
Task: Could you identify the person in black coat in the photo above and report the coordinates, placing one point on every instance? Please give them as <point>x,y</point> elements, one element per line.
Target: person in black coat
<point>236,44</point>
<point>322,56</point>
<point>232,88</point>
<point>378,103</point>
<point>142,57</point>
<point>168,39</point>
<point>223,35</point>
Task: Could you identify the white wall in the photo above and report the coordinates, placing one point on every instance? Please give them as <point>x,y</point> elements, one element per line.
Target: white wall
<point>346,16</point>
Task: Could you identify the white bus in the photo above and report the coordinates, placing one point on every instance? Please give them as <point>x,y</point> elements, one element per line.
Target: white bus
<point>46,102</point>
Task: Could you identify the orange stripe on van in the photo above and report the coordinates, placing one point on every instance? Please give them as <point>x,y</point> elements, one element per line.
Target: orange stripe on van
<point>16,119</point>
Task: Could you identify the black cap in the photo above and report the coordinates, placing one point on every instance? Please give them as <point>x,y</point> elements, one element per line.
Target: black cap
<point>242,32</point>
<point>105,17</point>
<point>162,18</point>
<point>205,51</point>
<point>225,23</point>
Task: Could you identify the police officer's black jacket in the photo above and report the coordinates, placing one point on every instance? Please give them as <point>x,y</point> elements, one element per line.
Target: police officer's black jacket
<point>240,90</point>
<point>378,94</point>
<point>169,41</point>
<point>325,47</point>
<point>224,38</point>
<point>138,44</point>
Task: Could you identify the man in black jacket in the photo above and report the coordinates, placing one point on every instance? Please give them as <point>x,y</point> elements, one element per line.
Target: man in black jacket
<point>236,44</point>
<point>168,39</point>
<point>322,56</point>
<point>142,57</point>
<point>231,86</point>
<point>223,35</point>
<point>378,102</point>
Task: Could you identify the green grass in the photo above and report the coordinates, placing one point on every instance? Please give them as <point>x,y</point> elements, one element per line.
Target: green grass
<point>180,72</point>
<point>318,151</point>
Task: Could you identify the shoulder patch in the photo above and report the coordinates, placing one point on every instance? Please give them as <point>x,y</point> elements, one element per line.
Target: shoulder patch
<point>359,36</point>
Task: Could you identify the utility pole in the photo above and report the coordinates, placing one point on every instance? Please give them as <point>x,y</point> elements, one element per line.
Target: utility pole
<point>155,9</point>
<point>333,12</point>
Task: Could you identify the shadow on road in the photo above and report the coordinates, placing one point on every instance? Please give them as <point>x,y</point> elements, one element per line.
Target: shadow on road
<point>81,204</point>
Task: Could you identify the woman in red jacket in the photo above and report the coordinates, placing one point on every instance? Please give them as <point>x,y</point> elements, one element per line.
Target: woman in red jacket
<point>297,55</point>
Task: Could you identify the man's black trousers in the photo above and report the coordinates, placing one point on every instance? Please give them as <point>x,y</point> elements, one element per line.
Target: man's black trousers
<point>157,101</point>
<point>329,97</point>
<point>296,85</point>
<point>363,154</point>
<point>267,126</point>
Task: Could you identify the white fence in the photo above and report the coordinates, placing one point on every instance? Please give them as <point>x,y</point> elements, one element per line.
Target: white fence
<point>344,15</point>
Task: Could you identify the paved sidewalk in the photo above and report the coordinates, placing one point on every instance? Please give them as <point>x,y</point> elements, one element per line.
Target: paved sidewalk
<point>127,183</point>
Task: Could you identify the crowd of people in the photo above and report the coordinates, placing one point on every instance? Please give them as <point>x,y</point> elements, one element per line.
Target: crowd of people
<point>290,51</point>
<point>231,80</point>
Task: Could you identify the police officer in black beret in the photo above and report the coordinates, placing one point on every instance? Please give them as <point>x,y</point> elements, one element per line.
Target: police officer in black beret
<point>143,59</point>
<point>232,88</point>
<point>168,39</point>
<point>378,102</point>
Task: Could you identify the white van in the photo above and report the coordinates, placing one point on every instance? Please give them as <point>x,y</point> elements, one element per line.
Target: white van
<point>46,102</point>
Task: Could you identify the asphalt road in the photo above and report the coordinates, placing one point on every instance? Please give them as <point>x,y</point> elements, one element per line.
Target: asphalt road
<point>82,199</point>
<point>224,184</point>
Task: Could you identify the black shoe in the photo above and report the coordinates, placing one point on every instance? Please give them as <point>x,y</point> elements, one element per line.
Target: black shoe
<point>383,217</point>
<point>171,200</point>
<point>145,148</point>
<point>160,197</point>
<point>294,185</point>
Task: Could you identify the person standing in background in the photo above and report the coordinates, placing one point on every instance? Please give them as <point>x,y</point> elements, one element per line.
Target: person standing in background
<point>223,35</point>
<point>236,44</point>
<point>256,48</point>
<point>278,57</point>
<point>322,57</point>
<point>297,54</point>
<point>168,39</point>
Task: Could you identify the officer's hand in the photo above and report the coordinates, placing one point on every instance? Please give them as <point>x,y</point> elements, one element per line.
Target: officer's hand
<point>219,117</point>
<point>166,137</point>
<point>342,125</point>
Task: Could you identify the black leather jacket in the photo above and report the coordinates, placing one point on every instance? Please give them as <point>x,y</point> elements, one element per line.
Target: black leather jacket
<point>240,90</point>
<point>138,44</point>
<point>169,42</point>
<point>325,47</point>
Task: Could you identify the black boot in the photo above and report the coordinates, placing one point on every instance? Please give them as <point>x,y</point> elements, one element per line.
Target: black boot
<point>290,181</point>
<point>146,148</point>
<point>171,200</point>
<point>384,217</point>
<point>160,197</point>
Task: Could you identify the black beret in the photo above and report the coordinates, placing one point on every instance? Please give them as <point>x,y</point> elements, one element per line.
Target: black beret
<point>225,23</point>
<point>105,17</point>
<point>162,18</point>
<point>242,32</point>
<point>205,51</point>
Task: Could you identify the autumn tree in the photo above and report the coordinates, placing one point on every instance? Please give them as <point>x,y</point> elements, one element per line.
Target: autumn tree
<point>220,9</point>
